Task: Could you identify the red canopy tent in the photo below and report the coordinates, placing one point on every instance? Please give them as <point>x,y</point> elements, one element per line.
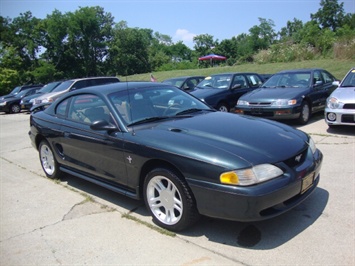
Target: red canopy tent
<point>212,57</point>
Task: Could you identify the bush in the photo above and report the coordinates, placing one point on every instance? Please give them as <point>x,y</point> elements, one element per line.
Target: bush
<point>285,52</point>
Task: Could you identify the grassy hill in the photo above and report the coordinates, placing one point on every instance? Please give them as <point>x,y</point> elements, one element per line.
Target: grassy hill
<point>336,67</point>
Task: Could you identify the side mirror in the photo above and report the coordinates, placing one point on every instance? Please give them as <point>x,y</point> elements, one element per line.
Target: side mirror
<point>102,125</point>
<point>236,86</point>
<point>336,83</point>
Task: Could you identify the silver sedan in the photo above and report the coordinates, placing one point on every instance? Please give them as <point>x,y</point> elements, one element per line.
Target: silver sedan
<point>340,109</point>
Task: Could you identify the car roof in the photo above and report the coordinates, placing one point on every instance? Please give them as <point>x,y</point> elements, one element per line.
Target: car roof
<point>120,86</point>
<point>88,78</point>
<point>184,77</point>
<point>232,73</point>
<point>299,70</point>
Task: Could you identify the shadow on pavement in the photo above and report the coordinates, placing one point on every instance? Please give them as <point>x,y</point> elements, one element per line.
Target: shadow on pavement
<point>262,235</point>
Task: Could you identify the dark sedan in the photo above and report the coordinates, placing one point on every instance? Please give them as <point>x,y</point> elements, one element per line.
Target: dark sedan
<point>187,83</point>
<point>222,91</point>
<point>12,104</point>
<point>290,94</point>
<point>154,141</point>
<point>27,102</point>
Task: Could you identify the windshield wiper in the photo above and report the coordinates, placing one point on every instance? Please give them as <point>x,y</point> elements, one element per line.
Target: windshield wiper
<point>149,119</point>
<point>193,110</point>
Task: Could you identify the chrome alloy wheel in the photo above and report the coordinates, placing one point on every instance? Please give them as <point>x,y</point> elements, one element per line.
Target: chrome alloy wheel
<point>47,159</point>
<point>164,200</point>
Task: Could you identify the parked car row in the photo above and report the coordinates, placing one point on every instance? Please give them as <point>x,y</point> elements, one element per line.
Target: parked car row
<point>290,94</point>
<point>286,95</point>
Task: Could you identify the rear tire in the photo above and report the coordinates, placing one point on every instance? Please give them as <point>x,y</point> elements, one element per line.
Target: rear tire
<point>169,200</point>
<point>48,162</point>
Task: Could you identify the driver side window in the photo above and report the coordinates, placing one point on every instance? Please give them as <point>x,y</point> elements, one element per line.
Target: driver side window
<point>87,108</point>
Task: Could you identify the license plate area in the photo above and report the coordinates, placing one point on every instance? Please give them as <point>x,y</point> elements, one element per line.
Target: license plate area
<point>307,182</point>
<point>256,111</point>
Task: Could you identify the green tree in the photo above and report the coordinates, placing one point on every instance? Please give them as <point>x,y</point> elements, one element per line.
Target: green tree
<point>330,15</point>
<point>204,44</point>
<point>129,50</point>
<point>89,33</point>
<point>263,35</point>
<point>290,31</point>
<point>54,36</point>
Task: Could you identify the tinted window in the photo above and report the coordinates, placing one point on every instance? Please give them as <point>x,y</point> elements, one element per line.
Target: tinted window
<point>87,108</point>
<point>62,108</point>
<point>64,86</point>
<point>327,77</point>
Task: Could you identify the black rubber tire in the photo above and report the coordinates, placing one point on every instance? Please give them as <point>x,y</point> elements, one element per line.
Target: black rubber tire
<point>15,108</point>
<point>305,114</point>
<point>48,161</point>
<point>177,208</point>
<point>222,107</point>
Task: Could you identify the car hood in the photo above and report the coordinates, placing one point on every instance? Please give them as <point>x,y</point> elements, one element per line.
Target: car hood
<point>263,94</point>
<point>50,94</point>
<point>346,95</point>
<point>7,96</point>
<point>243,141</point>
<point>204,93</point>
<point>10,99</point>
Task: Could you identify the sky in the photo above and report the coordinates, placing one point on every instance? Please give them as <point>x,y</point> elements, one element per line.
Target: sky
<point>183,19</point>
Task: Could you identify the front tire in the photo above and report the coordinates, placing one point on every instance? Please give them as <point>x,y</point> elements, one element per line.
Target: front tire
<point>15,108</point>
<point>222,107</point>
<point>305,114</point>
<point>169,200</point>
<point>48,162</point>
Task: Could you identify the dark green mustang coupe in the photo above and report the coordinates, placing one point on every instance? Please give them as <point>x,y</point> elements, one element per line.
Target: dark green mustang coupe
<point>154,141</point>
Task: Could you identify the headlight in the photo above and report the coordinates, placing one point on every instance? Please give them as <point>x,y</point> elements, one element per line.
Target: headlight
<point>2,103</point>
<point>241,102</point>
<point>312,145</point>
<point>333,103</point>
<point>283,102</point>
<point>47,100</point>
<point>250,176</point>
<point>32,100</point>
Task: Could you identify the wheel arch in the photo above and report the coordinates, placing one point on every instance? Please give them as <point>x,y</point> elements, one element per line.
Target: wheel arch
<point>152,164</point>
<point>225,103</point>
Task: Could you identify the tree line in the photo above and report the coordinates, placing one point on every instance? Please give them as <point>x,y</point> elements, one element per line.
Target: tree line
<point>88,42</point>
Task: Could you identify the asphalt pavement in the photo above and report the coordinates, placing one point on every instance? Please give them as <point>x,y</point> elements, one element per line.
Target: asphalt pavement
<point>67,222</point>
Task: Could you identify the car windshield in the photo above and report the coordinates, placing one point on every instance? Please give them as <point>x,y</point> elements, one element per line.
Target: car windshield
<point>15,91</point>
<point>216,82</point>
<point>22,93</point>
<point>294,80</point>
<point>176,82</point>
<point>49,87</point>
<point>349,80</point>
<point>155,103</point>
<point>63,86</point>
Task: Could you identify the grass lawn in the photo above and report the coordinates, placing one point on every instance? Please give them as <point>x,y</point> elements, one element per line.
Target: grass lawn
<point>336,67</point>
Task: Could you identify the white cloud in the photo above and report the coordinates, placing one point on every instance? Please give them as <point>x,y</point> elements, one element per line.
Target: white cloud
<point>185,36</point>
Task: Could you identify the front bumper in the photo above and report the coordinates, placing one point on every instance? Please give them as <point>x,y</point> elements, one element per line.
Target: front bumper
<point>339,116</point>
<point>271,113</point>
<point>259,202</point>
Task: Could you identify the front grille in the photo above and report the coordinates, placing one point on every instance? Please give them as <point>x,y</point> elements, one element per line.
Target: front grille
<point>261,114</point>
<point>259,104</point>
<point>348,119</point>
<point>349,106</point>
